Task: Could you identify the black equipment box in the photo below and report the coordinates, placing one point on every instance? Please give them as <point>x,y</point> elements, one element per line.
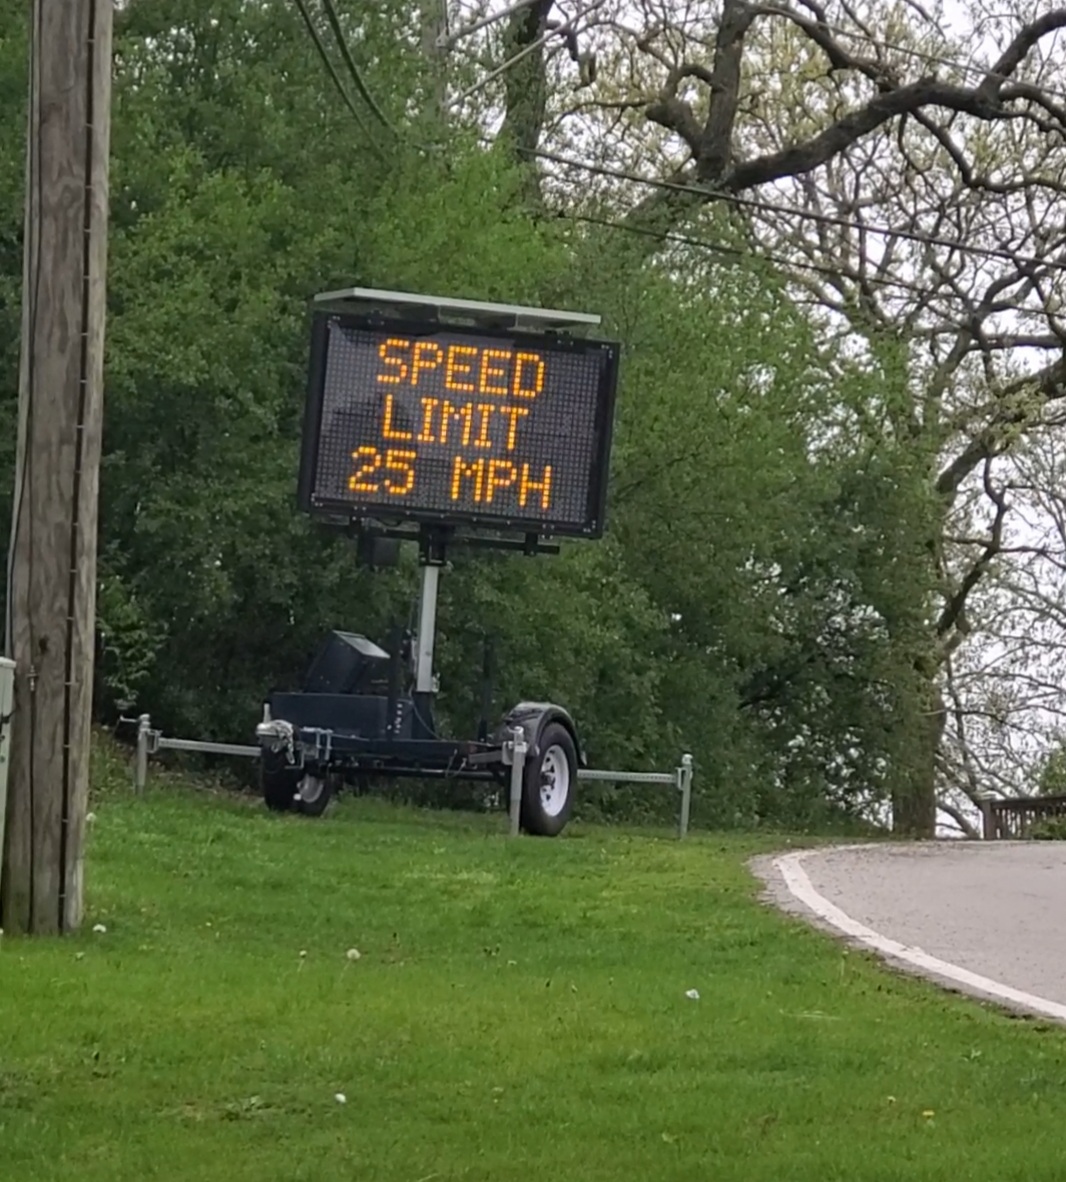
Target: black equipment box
<point>346,664</point>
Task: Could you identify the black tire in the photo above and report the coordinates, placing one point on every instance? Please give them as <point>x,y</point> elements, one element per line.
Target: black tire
<point>549,783</point>
<point>314,791</point>
<point>277,781</point>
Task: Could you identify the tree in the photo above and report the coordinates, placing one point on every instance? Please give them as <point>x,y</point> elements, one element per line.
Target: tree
<point>909,199</point>
<point>1005,721</point>
<point>760,599</point>
<point>598,651</point>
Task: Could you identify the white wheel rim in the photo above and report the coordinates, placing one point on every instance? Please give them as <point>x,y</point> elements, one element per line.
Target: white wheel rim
<point>554,781</point>
<point>311,788</point>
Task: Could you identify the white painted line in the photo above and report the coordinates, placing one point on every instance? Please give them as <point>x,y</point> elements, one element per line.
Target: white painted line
<point>801,888</point>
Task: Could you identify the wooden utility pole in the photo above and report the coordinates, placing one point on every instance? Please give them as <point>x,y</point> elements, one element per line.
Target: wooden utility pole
<point>52,569</point>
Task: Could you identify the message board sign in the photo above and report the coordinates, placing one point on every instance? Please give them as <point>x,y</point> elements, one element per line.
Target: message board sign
<point>414,421</point>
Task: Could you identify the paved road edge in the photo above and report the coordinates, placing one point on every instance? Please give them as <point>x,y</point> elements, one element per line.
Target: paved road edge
<point>789,871</point>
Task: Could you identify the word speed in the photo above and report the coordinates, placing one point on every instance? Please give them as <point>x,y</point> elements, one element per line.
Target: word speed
<point>409,421</point>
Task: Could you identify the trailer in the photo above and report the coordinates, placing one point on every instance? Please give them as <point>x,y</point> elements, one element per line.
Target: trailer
<point>439,423</point>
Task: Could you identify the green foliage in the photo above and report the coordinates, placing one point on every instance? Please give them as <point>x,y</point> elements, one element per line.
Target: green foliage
<point>458,221</point>
<point>759,598</point>
<point>1052,829</point>
<point>1051,779</point>
<point>241,183</point>
<point>574,629</point>
<point>787,561</point>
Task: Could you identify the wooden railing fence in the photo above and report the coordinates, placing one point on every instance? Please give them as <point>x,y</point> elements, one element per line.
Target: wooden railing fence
<point>1013,818</point>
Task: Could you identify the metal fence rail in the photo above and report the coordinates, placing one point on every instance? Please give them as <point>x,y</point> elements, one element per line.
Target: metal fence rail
<point>150,742</point>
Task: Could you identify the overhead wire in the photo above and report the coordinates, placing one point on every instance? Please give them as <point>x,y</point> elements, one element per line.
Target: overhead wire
<point>353,69</point>
<point>739,252</point>
<point>701,191</point>
<point>921,237</point>
<point>328,62</point>
<point>799,20</point>
<point>568,26</point>
<point>709,193</point>
<point>476,26</point>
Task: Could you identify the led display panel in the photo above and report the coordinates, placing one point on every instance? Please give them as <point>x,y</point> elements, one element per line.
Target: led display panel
<point>413,421</point>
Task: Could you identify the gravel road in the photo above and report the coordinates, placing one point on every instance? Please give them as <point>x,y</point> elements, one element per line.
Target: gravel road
<point>994,909</point>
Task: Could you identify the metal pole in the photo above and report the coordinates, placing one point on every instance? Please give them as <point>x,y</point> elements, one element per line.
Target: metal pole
<point>7,698</point>
<point>684,783</point>
<point>140,766</point>
<point>427,629</point>
<point>519,748</point>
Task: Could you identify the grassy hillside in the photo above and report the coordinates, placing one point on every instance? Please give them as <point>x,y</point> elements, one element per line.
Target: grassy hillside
<point>517,1011</point>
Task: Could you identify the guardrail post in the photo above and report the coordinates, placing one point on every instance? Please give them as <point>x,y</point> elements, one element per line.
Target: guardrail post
<point>140,763</point>
<point>519,747</point>
<point>684,784</point>
<point>988,821</point>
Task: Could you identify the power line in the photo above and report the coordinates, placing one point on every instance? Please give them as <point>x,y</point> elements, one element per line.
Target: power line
<point>569,26</point>
<point>706,193</point>
<point>740,253</point>
<point>803,23</point>
<point>349,61</point>
<point>452,39</point>
<point>327,61</point>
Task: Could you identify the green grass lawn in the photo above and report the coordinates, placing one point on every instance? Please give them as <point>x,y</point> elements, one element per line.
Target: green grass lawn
<point>518,1011</point>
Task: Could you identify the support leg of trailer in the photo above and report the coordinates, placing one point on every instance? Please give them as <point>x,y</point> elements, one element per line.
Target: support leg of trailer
<point>519,747</point>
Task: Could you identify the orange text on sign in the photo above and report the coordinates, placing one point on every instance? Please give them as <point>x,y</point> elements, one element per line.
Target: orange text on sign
<point>466,369</point>
<point>473,424</point>
<point>393,473</point>
<point>483,479</point>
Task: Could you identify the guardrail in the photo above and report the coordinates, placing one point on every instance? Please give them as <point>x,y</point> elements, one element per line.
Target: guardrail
<point>1013,817</point>
<point>150,741</point>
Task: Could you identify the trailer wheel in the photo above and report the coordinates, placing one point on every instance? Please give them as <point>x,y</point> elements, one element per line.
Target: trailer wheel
<point>549,783</point>
<point>278,780</point>
<point>313,793</point>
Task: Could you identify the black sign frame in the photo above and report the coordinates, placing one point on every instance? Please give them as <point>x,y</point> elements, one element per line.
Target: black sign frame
<point>351,509</point>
